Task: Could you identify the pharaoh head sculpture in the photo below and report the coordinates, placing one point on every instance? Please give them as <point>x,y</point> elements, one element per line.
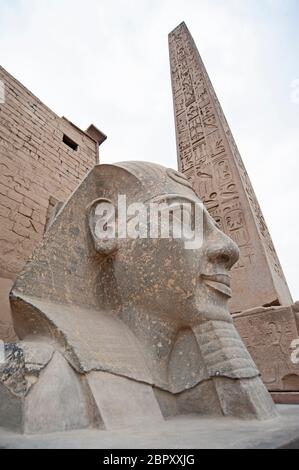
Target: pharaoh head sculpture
<point>153,266</point>
<point>129,305</point>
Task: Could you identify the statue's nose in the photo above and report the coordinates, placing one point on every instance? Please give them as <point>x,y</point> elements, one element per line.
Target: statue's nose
<point>222,250</point>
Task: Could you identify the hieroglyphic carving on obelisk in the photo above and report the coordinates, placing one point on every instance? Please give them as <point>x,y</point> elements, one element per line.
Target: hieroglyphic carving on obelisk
<point>208,156</point>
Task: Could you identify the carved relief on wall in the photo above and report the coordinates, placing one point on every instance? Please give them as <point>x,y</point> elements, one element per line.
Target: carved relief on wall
<point>216,213</point>
<point>187,160</point>
<point>207,111</point>
<point>188,90</point>
<point>192,112</point>
<point>223,171</point>
<point>179,105</point>
<point>261,224</point>
<point>200,152</point>
<point>213,177</point>
<point>189,174</point>
<point>268,335</point>
<point>196,130</point>
<point>214,151</point>
<point>210,124</point>
<point>236,226</point>
<point>176,80</point>
<point>181,124</point>
<point>184,141</point>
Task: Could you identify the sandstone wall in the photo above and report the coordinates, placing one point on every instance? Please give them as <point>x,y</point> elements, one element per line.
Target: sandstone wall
<point>36,167</point>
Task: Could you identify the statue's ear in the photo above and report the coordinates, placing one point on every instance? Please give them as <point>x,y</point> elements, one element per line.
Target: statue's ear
<point>102,219</point>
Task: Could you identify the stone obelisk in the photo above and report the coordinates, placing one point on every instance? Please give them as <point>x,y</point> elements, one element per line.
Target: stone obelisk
<point>208,156</point>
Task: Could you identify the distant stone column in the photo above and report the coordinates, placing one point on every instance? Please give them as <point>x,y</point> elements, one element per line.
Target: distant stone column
<point>208,156</point>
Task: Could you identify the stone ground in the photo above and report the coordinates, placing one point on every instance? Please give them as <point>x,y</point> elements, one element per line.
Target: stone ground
<point>185,432</point>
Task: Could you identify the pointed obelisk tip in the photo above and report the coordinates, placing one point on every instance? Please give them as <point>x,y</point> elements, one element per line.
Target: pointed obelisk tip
<point>182,24</point>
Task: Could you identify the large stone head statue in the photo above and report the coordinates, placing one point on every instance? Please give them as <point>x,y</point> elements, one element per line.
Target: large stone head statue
<point>132,313</point>
<point>155,272</point>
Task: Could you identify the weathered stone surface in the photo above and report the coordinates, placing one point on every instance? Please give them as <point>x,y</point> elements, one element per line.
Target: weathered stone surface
<point>187,432</point>
<point>123,403</point>
<point>209,158</point>
<point>108,345</point>
<point>11,409</point>
<point>37,355</point>
<point>268,334</point>
<point>57,401</point>
<point>202,399</point>
<point>167,402</point>
<point>285,398</point>
<point>246,398</point>
<point>40,392</point>
<point>132,316</point>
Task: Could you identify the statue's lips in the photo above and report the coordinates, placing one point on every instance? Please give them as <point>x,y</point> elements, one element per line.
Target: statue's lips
<point>219,282</point>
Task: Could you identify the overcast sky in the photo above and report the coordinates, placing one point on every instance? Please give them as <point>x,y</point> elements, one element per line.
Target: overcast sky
<point>106,62</point>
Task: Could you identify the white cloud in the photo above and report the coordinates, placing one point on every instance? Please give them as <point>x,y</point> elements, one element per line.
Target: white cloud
<point>106,62</point>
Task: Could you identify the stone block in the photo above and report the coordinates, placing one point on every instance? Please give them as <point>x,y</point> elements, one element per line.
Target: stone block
<point>57,401</point>
<point>247,398</point>
<point>40,392</point>
<point>122,402</point>
<point>268,334</point>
